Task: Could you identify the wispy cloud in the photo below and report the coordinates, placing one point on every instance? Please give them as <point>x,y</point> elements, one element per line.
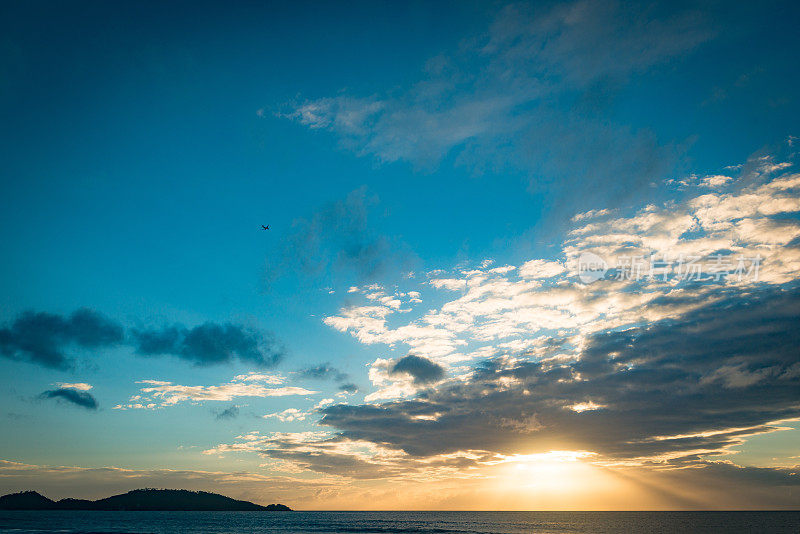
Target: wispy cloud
<point>58,481</point>
<point>159,393</point>
<point>538,75</point>
<point>231,412</point>
<point>325,453</point>
<point>340,237</point>
<point>323,371</point>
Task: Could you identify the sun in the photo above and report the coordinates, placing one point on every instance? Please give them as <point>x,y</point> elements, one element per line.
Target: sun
<point>553,480</point>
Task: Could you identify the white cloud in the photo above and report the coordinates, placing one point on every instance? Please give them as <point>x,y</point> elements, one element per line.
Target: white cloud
<point>81,386</point>
<point>260,377</point>
<point>585,406</point>
<point>714,181</point>
<point>158,393</point>
<point>390,386</point>
<point>518,310</point>
<point>288,415</point>
<point>541,269</point>
<point>591,214</point>
<point>323,403</point>
<point>452,284</point>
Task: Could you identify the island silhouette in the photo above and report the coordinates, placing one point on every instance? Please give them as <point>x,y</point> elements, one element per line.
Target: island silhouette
<point>147,499</point>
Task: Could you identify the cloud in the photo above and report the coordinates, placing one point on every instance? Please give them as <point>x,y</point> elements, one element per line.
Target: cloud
<point>390,385</point>
<point>658,386</point>
<point>340,237</point>
<point>736,236</point>
<point>260,377</point>
<point>232,412</point>
<point>323,371</point>
<point>421,369</point>
<point>42,338</point>
<point>357,462</point>
<point>448,283</point>
<point>209,344</point>
<point>534,91</point>
<point>349,387</point>
<point>725,485</point>
<point>288,415</point>
<point>159,393</point>
<point>541,269</point>
<point>81,386</point>
<point>79,397</point>
<point>100,482</point>
<point>681,369</point>
<point>333,455</point>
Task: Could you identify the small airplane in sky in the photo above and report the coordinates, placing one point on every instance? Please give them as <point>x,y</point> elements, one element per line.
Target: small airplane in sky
<point>265,227</point>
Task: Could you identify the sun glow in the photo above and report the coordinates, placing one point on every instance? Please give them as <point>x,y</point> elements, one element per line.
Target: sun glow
<point>551,472</point>
<point>547,457</point>
<point>557,479</point>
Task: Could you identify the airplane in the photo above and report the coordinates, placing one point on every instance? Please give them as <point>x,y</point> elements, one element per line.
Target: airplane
<point>265,227</point>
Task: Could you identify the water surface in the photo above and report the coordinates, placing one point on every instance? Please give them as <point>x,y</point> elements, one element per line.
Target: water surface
<point>83,522</point>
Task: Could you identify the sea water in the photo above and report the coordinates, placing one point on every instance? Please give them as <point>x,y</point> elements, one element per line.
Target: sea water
<point>73,522</point>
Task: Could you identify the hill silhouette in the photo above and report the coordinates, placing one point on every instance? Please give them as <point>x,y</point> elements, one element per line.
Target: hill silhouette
<point>141,499</point>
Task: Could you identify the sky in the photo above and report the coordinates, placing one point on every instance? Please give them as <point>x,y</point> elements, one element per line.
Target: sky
<point>527,256</point>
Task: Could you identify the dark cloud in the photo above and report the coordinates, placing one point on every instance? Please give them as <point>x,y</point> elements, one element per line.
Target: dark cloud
<point>209,344</point>
<point>231,412</point>
<point>42,338</point>
<point>767,476</point>
<point>84,399</point>
<point>323,371</point>
<point>339,237</point>
<point>349,387</point>
<point>676,390</point>
<point>421,369</point>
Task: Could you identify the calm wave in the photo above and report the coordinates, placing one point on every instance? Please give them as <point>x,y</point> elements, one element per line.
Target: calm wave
<point>396,522</point>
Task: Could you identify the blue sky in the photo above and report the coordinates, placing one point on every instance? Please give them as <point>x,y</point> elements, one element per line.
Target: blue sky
<point>423,169</point>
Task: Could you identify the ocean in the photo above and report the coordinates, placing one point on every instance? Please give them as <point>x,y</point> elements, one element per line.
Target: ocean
<point>75,522</point>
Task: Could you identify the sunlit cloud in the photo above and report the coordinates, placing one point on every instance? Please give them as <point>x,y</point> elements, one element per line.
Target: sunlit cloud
<point>159,393</point>
<point>288,415</point>
<point>731,237</point>
<point>563,359</point>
